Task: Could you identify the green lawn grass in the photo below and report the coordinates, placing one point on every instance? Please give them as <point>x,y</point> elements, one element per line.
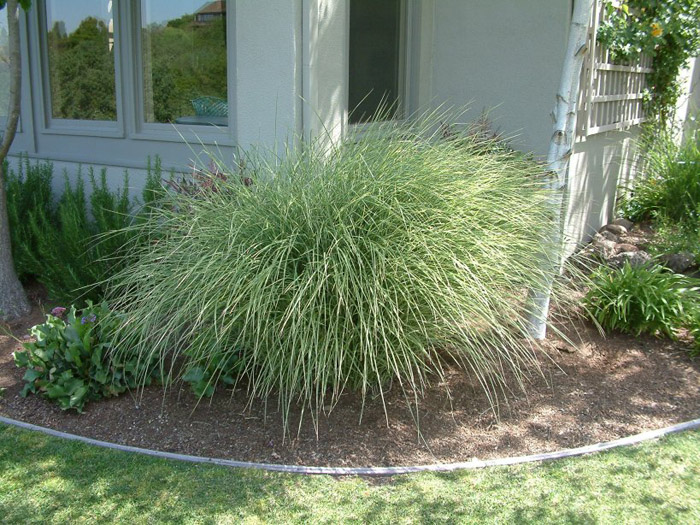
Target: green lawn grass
<point>48,480</point>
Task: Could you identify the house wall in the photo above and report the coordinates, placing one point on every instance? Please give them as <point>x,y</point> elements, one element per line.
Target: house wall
<point>268,71</point>
<point>288,76</point>
<point>501,56</point>
<point>325,68</point>
<point>689,109</point>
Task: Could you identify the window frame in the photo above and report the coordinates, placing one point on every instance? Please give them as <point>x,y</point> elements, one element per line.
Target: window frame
<point>143,130</point>
<point>52,125</point>
<point>130,124</point>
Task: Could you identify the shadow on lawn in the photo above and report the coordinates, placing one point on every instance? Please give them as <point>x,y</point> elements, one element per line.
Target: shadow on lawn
<point>50,479</point>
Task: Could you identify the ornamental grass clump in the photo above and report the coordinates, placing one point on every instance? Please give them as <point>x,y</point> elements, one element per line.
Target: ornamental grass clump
<point>367,265</point>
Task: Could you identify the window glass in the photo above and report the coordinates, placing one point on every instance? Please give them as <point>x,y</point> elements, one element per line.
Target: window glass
<point>375,56</point>
<point>80,44</point>
<point>184,61</point>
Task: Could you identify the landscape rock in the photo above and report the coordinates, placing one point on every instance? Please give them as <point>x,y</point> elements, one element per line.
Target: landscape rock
<point>635,259</point>
<point>625,247</point>
<point>623,222</point>
<point>609,236</point>
<point>678,262</point>
<point>614,228</point>
<point>566,347</point>
<point>602,246</point>
<point>586,260</point>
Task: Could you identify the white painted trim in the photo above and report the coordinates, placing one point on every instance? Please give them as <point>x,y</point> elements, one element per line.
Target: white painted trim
<point>369,471</point>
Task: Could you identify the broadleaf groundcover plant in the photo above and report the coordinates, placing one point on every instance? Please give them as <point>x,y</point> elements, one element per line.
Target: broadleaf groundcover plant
<point>370,264</point>
<point>70,360</point>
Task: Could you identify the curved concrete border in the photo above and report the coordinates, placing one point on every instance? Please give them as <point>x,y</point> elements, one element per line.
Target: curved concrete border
<point>369,471</point>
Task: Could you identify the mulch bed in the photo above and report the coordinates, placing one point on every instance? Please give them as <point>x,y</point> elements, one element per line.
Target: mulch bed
<point>599,390</point>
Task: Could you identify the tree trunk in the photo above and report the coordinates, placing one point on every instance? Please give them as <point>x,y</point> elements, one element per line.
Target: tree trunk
<point>13,300</point>
<point>559,154</point>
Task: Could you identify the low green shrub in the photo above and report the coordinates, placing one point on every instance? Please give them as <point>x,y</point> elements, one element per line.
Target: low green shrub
<point>364,265</point>
<point>637,300</point>
<point>72,359</point>
<point>72,244</point>
<point>670,237</point>
<point>670,186</point>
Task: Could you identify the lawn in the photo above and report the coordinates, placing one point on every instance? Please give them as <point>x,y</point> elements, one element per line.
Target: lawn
<point>46,479</point>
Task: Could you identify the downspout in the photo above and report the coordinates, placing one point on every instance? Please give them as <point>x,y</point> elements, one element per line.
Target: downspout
<point>559,155</point>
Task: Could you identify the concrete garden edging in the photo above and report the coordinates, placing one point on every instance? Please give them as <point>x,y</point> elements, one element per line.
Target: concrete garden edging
<point>370,471</point>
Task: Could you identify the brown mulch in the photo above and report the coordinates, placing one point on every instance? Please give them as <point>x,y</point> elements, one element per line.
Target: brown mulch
<point>599,390</point>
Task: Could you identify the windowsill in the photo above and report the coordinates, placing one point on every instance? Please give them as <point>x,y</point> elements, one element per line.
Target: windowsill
<point>208,134</point>
<point>91,128</point>
<point>196,120</point>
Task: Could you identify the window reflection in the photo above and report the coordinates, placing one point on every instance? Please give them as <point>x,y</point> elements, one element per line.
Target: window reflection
<point>81,59</point>
<point>184,61</point>
<point>375,59</point>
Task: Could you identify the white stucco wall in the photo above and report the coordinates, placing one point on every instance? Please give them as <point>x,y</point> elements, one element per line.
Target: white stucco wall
<point>325,59</point>
<point>689,108</point>
<point>268,73</point>
<point>502,56</point>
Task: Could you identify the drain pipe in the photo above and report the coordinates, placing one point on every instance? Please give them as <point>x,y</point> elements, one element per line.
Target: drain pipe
<point>559,155</point>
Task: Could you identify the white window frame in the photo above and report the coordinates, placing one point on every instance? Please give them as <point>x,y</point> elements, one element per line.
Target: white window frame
<point>134,88</point>
<point>59,126</point>
<point>130,124</point>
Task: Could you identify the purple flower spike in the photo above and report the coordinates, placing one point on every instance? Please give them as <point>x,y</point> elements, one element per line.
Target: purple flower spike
<point>58,311</point>
<point>88,319</point>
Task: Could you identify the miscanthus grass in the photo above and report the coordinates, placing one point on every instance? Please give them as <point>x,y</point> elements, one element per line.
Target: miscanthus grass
<point>369,265</point>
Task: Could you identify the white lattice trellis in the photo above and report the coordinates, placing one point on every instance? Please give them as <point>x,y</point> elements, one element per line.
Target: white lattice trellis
<point>612,92</point>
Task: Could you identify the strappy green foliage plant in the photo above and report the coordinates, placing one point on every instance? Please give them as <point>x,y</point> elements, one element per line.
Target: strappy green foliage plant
<point>643,300</point>
<point>670,186</point>
<point>366,265</point>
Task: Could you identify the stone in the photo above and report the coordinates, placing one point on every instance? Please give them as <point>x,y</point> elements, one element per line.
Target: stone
<point>623,222</point>
<point>614,228</point>
<point>625,247</point>
<point>602,246</point>
<point>609,236</point>
<point>566,348</point>
<point>635,259</point>
<point>678,262</point>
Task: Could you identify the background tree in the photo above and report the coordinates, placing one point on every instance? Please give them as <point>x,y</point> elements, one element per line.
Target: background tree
<point>13,300</point>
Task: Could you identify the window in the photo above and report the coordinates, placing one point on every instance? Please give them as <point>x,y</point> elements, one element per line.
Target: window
<point>183,62</point>
<point>133,68</point>
<point>80,60</point>
<point>376,65</point>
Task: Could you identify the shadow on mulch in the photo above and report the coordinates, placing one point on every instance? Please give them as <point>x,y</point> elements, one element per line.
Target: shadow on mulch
<point>603,389</point>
